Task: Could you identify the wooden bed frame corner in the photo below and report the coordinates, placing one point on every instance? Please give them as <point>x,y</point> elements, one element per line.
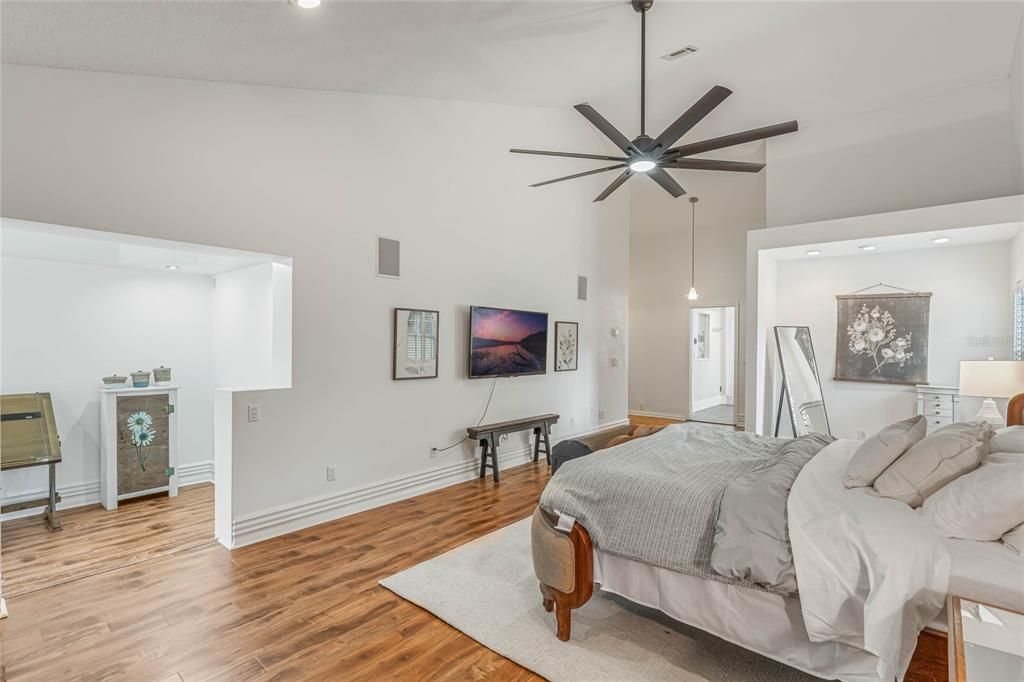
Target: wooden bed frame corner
<point>1015,411</point>
<point>564,564</point>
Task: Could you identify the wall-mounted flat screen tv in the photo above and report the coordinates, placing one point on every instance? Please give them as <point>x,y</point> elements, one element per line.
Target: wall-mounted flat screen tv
<point>505,343</point>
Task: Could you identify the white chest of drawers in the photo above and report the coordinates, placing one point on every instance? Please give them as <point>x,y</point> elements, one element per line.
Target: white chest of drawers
<point>939,404</point>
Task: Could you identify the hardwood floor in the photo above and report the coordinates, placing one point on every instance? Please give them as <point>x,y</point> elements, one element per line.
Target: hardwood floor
<point>305,606</point>
<point>640,420</point>
<point>95,540</point>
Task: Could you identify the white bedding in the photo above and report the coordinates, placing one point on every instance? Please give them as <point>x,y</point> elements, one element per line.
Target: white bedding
<point>871,572</point>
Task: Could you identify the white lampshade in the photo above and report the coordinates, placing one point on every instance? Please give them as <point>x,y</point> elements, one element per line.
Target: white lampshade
<point>992,378</point>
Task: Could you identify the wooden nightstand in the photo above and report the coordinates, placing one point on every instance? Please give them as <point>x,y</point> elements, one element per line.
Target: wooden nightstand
<point>986,642</point>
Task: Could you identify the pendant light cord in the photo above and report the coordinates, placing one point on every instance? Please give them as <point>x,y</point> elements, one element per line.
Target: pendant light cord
<point>693,242</point>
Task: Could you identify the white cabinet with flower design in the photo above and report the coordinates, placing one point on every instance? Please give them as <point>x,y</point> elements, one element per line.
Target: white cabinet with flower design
<point>139,448</point>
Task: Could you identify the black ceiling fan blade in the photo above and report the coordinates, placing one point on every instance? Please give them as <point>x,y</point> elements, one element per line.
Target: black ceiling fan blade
<point>602,124</point>
<point>616,183</point>
<point>692,116</point>
<point>714,165</point>
<point>667,182</point>
<point>580,175</point>
<point>733,139</point>
<point>571,155</point>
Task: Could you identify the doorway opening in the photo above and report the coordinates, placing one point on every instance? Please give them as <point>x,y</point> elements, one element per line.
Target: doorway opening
<point>127,341</point>
<point>713,351</point>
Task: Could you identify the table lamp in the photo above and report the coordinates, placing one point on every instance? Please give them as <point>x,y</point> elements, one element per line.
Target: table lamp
<point>990,379</point>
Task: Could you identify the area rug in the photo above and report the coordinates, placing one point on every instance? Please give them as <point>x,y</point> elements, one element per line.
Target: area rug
<point>487,590</point>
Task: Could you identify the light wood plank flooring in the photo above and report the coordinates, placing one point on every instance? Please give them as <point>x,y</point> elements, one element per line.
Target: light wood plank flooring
<point>95,540</point>
<point>305,606</point>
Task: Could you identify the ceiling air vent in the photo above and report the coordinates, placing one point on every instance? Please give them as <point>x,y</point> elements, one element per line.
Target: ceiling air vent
<point>681,52</point>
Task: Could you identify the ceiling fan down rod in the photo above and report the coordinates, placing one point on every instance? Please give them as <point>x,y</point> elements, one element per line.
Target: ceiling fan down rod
<point>642,6</point>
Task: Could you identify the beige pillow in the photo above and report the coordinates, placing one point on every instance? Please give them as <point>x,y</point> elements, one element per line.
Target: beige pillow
<point>1008,439</point>
<point>1015,539</point>
<point>876,453</point>
<point>935,461</point>
<point>982,505</point>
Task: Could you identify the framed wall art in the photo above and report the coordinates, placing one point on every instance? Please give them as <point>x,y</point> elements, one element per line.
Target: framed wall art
<point>414,350</point>
<point>567,346</point>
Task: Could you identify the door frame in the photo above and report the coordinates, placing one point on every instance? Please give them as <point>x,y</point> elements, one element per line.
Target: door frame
<point>700,305</point>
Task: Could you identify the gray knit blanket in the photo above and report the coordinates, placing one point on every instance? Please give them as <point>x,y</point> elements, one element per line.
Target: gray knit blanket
<point>656,499</point>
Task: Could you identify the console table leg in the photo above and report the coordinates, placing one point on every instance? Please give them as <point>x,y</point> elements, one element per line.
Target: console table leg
<point>547,443</point>
<point>483,457</point>
<point>494,460</point>
<point>50,515</point>
<point>536,444</point>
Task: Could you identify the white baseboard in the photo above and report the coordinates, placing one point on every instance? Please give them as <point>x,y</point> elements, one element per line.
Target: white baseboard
<point>265,524</point>
<point>72,495</point>
<point>659,415</point>
<point>84,494</point>
<point>197,472</point>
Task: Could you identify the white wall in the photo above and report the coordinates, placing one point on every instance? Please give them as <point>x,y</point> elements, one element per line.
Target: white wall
<point>1017,91</point>
<point>252,326</point>
<point>68,325</point>
<point>970,320</point>
<point>730,205</point>
<point>955,147</point>
<point>317,176</point>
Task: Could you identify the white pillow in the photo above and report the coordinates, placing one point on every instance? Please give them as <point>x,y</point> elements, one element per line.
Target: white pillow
<point>876,453</point>
<point>935,461</point>
<point>982,505</point>
<point>1015,539</point>
<point>1008,439</point>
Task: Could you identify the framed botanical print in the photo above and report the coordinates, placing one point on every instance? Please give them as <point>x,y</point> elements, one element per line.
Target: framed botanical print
<point>415,344</point>
<point>567,346</point>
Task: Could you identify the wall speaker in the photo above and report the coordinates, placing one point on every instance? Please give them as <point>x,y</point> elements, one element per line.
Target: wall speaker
<point>581,288</point>
<point>388,263</point>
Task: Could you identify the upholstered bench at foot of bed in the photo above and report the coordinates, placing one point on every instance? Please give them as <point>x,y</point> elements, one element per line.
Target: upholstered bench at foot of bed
<point>564,565</point>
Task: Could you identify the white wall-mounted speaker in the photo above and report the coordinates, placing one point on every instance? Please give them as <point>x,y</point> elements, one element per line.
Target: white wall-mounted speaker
<point>581,288</point>
<point>388,261</point>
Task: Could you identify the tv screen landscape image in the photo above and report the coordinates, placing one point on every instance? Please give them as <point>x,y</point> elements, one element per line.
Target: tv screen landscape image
<point>507,342</point>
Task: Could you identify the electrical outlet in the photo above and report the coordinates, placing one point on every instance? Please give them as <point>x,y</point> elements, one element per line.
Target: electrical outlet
<point>254,413</point>
<point>600,414</point>
<point>433,453</point>
<point>862,433</point>
<point>614,362</point>
<point>332,473</point>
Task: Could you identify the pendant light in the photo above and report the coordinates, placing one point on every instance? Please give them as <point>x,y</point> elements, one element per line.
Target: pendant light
<point>693,295</point>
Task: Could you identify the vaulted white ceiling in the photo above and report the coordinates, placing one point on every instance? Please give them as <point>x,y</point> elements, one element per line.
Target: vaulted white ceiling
<point>811,61</point>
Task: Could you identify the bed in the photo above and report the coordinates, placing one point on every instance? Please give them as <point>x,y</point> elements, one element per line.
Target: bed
<point>872,574</point>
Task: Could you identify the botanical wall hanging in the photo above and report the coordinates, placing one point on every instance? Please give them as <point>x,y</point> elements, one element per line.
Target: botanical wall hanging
<point>567,344</point>
<point>883,338</point>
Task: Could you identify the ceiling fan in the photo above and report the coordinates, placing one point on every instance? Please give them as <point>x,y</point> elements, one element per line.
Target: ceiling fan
<point>652,156</point>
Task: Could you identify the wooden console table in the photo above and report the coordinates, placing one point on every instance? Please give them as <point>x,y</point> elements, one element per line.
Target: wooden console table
<point>488,436</point>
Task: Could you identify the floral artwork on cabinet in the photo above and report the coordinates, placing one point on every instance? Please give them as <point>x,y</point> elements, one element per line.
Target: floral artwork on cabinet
<point>883,338</point>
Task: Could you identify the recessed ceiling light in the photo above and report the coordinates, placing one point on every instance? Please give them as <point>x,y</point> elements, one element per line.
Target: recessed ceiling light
<point>170,267</point>
<point>307,4</point>
<point>814,252</point>
<point>940,240</point>
<point>868,247</point>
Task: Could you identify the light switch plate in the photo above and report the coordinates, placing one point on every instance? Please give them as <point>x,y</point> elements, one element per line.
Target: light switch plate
<point>254,413</point>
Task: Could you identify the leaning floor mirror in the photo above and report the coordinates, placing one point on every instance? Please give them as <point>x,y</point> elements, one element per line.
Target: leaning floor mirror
<point>801,387</point>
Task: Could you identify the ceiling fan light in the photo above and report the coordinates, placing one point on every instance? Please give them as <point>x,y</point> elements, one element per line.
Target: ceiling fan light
<point>308,4</point>
<point>642,165</point>
<point>693,295</point>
